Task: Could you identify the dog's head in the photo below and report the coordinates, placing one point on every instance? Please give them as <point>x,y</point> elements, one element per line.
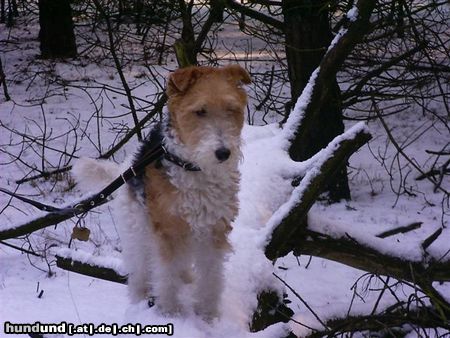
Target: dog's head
<point>206,107</point>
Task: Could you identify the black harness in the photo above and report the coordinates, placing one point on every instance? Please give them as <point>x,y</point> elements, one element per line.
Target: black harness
<point>151,151</point>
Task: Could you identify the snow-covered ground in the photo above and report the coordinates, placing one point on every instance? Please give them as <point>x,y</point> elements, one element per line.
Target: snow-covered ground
<point>71,118</point>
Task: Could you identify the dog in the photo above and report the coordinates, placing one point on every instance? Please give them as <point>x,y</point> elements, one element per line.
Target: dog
<point>176,216</point>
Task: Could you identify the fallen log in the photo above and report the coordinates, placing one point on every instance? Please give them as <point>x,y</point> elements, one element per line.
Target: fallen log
<point>422,317</point>
<point>351,253</point>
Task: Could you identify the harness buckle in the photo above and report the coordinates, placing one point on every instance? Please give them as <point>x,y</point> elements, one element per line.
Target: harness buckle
<point>132,170</point>
<point>123,178</point>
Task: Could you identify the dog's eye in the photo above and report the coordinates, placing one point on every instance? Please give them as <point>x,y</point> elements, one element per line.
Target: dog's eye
<point>200,112</point>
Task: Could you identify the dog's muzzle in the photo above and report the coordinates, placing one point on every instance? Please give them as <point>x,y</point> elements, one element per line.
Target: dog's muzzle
<point>222,154</point>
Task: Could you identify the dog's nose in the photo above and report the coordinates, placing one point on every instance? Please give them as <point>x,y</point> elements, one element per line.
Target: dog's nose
<point>223,154</point>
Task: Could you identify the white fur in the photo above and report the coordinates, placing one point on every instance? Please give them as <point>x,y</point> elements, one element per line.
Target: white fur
<point>205,200</point>
<point>93,175</point>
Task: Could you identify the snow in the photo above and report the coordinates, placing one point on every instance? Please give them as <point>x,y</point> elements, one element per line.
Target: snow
<point>109,262</point>
<point>296,116</point>
<point>265,198</point>
<point>313,170</point>
<point>352,14</point>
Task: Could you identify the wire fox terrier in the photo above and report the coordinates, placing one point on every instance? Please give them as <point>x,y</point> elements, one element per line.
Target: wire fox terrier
<point>176,215</point>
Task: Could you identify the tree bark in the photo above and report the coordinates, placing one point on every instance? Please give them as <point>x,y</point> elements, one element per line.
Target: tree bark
<point>359,256</point>
<point>307,37</point>
<point>2,11</point>
<point>56,33</point>
<point>185,46</point>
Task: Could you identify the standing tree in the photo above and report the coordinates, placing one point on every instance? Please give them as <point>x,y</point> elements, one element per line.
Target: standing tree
<point>56,35</point>
<point>3,82</point>
<point>308,34</point>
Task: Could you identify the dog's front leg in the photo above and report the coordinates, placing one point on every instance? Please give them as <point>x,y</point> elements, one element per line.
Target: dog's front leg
<point>209,260</point>
<point>171,271</point>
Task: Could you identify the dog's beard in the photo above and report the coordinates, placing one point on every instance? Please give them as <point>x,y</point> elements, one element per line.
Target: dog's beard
<point>210,140</point>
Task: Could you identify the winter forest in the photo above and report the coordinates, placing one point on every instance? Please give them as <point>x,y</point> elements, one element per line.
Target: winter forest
<point>344,196</point>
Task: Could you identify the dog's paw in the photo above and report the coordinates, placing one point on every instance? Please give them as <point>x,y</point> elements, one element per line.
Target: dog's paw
<point>208,312</point>
<point>170,308</point>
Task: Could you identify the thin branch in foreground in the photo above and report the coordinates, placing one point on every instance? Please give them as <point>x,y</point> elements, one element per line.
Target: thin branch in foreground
<point>302,300</point>
<point>20,249</point>
<point>251,13</point>
<point>45,174</point>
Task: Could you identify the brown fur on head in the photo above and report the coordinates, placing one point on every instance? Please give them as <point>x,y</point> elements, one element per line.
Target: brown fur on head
<point>206,107</point>
<point>182,79</point>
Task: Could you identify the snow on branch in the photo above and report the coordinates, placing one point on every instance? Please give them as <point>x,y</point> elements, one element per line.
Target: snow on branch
<point>348,251</point>
<point>107,268</point>
<point>287,220</point>
<point>310,102</point>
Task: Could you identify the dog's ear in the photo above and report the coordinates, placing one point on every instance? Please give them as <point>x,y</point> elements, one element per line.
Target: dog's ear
<point>181,79</point>
<point>238,74</point>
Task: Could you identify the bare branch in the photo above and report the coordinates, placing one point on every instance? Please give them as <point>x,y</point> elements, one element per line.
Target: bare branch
<point>234,5</point>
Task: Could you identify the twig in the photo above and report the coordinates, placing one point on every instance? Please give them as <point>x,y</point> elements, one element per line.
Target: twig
<point>45,174</point>
<point>268,20</point>
<point>401,229</point>
<point>400,150</point>
<point>119,68</point>
<point>302,300</point>
<point>20,249</point>
<point>430,239</point>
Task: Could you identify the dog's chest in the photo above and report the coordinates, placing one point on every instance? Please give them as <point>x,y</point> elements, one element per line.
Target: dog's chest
<point>205,199</point>
<point>201,199</point>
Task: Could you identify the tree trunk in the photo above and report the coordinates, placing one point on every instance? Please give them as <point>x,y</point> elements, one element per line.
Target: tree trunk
<point>3,82</point>
<point>308,35</point>
<point>2,11</point>
<point>56,35</point>
<point>185,46</point>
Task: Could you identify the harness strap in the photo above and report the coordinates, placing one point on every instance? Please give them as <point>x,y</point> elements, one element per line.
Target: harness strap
<point>179,162</point>
<point>101,197</point>
<point>156,153</point>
